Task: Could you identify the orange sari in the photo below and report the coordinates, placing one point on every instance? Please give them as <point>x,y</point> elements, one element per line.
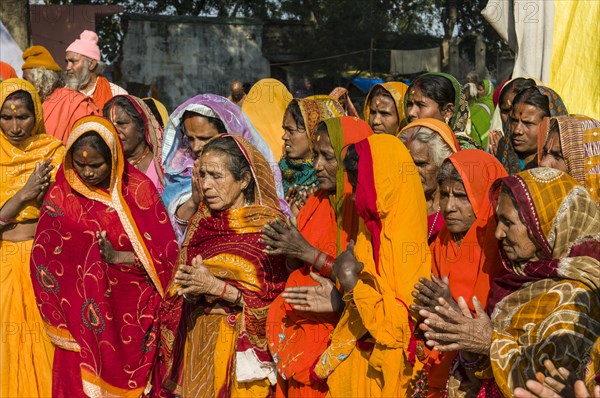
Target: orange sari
<point>372,351</point>
<point>328,222</point>
<point>472,265</point>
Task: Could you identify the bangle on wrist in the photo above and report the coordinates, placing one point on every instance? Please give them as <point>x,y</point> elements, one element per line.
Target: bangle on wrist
<point>327,268</point>
<point>180,221</point>
<point>4,222</point>
<point>312,266</point>
<point>223,291</point>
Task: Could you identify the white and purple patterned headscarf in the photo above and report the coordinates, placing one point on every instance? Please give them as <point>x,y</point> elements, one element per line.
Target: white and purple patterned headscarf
<point>178,161</point>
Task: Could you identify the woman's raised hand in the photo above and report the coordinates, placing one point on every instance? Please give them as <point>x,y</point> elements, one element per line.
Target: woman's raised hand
<point>284,238</point>
<point>38,182</point>
<point>196,189</point>
<point>428,292</point>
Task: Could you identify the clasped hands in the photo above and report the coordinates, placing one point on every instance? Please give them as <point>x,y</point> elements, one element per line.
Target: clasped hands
<point>449,325</point>
<point>196,280</point>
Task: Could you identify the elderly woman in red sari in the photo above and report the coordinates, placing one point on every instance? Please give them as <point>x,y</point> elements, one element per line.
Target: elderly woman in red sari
<point>573,146</point>
<point>327,222</point>
<point>103,255</point>
<point>465,257</point>
<point>545,304</point>
<point>227,278</point>
<point>28,161</point>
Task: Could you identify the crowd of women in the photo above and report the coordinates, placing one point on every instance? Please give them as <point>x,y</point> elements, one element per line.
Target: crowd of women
<point>290,248</point>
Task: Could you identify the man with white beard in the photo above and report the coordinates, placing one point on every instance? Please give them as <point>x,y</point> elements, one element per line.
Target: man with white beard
<point>62,106</point>
<point>84,70</point>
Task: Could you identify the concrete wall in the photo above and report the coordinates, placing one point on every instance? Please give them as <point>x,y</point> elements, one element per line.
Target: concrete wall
<point>185,56</point>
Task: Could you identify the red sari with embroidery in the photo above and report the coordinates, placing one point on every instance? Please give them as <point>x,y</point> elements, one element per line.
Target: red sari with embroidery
<point>111,323</point>
<point>221,348</point>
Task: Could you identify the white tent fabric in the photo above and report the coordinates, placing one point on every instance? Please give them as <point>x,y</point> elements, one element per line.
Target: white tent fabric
<point>10,52</point>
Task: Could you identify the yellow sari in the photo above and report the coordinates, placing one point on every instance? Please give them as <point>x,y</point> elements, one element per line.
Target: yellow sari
<point>25,351</point>
<point>373,344</point>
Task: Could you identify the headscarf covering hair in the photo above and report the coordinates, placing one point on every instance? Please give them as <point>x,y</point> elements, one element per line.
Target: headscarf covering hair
<point>548,307</point>
<point>439,127</point>
<point>18,163</point>
<point>159,110</point>
<point>340,92</point>
<point>13,85</point>
<point>233,338</point>
<point>317,108</point>
<point>580,145</point>
<point>507,154</point>
<point>265,106</point>
<point>398,92</point>
<point>314,110</point>
<point>328,221</point>
<point>562,219</point>
<point>496,122</point>
<point>459,122</point>
<point>135,220</point>
<point>178,161</point>
<point>471,266</point>
<point>153,133</point>
<point>378,309</point>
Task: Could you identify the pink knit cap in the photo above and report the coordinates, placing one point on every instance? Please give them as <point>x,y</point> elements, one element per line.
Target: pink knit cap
<point>87,45</point>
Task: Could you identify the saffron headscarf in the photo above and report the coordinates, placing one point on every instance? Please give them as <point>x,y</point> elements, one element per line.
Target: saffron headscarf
<point>439,127</point>
<point>112,322</point>
<point>178,161</point>
<point>328,222</point>
<point>506,153</point>
<point>265,105</point>
<point>221,347</point>
<point>153,135</point>
<point>471,266</point>
<point>392,245</point>
<point>314,110</point>
<point>17,163</point>
<point>547,308</point>
<point>398,92</point>
<point>580,145</point>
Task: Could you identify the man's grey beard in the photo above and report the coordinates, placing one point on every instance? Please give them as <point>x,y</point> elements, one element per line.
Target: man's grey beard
<point>80,82</point>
